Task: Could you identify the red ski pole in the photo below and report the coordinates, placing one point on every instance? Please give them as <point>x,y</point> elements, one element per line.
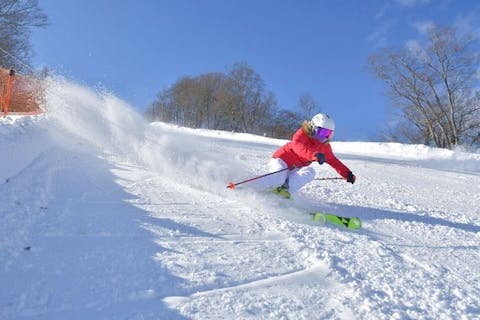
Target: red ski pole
<point>232,184</point>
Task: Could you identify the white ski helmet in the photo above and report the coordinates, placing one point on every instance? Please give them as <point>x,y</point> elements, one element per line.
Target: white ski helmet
<point>322,120</point>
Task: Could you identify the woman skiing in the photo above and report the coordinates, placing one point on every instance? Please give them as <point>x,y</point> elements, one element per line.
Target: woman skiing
<point>310,143</point>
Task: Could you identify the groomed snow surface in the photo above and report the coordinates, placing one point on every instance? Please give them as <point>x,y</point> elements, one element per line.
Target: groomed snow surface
<point>103,216</point>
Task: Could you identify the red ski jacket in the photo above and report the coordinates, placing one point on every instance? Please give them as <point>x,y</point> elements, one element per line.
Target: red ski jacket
<point>303,148</point>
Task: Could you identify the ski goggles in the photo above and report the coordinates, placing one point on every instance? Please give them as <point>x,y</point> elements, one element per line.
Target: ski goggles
<point>323,134</point>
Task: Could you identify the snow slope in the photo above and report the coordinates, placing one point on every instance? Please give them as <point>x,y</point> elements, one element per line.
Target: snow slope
<point>103,216</point>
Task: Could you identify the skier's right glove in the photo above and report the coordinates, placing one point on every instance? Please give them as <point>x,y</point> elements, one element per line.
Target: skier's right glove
<point>320,158</point>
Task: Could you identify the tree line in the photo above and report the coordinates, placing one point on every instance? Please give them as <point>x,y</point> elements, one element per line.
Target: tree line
<point>235,101</point>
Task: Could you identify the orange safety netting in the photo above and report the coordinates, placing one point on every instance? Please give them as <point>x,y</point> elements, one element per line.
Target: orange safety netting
<point>19,94</point>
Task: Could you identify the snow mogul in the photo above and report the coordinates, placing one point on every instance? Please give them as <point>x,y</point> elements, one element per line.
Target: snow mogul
<point>310,143</point>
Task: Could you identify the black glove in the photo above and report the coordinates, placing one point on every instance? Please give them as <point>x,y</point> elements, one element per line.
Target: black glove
<point>320,158</point>
<point>351,177</point>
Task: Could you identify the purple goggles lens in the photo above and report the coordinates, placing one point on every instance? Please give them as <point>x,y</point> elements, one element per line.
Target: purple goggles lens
<point>323,133</point>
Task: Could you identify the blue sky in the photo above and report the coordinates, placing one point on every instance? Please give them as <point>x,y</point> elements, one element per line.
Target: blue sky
<point>137,48</point>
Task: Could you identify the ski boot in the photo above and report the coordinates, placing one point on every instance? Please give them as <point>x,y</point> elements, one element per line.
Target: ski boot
<point>282,192</point>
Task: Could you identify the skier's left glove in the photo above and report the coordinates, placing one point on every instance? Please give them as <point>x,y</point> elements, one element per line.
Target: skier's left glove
<point>351,177</point>
<point>320,158</point>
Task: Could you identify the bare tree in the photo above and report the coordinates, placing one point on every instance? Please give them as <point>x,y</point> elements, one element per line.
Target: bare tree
<point>283,123</point>
<point>162,108</point>
<point>210,93</point>
<point>250,103</point>
<point>435,87</point>
<point>17,17</point>
<point>224,105</point>
<point>307,106</point>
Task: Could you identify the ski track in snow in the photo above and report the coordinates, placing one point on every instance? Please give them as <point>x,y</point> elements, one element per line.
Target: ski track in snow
<point>116,219</point>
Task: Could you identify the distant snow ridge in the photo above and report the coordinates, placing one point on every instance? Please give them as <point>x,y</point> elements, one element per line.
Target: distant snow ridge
<point>426,156</point>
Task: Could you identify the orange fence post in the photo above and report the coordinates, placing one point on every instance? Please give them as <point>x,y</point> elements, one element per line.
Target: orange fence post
<point>2,89</point>
<point>8,93</point>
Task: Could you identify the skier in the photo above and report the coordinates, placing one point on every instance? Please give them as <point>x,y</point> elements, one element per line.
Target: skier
<point>310,143</point>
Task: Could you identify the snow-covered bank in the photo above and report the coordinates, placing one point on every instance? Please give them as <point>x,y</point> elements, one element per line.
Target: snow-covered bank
<point>421,155</point>
<point>104,216</point>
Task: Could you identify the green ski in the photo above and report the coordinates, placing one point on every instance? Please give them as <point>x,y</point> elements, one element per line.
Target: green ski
<point>353,223</point>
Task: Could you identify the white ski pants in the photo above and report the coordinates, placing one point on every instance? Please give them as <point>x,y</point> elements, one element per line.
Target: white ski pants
<point>297,178</point>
